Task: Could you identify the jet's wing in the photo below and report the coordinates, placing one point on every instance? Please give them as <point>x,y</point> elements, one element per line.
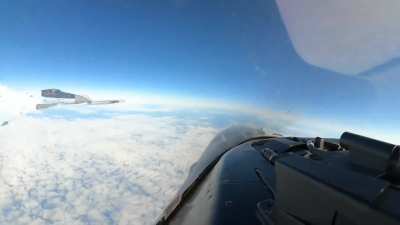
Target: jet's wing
<point>45,105</point>
<point>56,93</point>
<point>105,102</point>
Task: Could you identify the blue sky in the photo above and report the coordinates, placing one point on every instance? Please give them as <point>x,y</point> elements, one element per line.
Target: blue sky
<point>227,50</point>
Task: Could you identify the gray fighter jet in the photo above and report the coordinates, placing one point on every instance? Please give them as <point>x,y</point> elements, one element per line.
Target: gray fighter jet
<point>64,98</point>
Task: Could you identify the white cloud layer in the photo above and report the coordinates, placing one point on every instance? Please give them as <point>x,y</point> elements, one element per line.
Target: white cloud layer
<point>122,170</point>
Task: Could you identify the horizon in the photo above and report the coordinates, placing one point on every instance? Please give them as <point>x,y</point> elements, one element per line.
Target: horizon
<point>300,125</point>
